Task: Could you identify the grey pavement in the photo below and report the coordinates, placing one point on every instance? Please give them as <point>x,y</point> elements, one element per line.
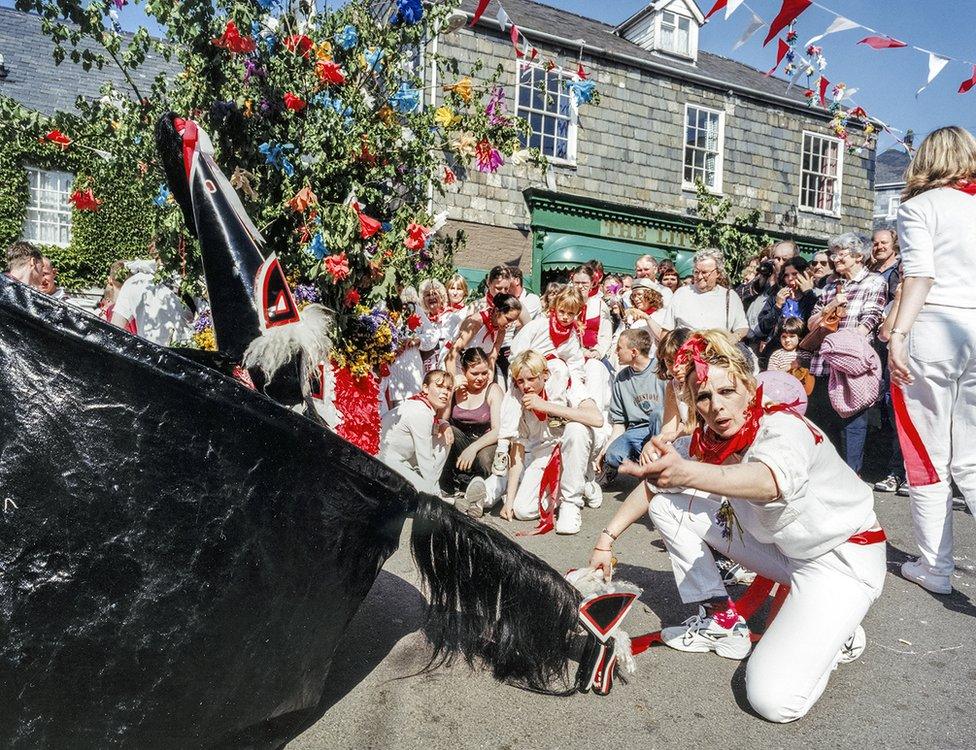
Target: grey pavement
<point>912,688</point>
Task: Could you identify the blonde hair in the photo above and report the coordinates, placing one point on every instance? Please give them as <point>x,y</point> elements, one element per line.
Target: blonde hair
<point>528,360</point>
<point>437,286</point>
<point>721,351</point>
<point>568,297</point>
<point>439,377</point>
<point>552,289</point>
<point>946,156</point>
<point>458,280</point>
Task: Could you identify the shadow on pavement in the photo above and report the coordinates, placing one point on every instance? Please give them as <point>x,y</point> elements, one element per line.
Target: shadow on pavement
<point>392,610</point>
<point>954,602</point>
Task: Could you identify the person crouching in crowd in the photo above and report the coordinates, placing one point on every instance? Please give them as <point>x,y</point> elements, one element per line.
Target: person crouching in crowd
<point>415,437</point>
<point>555,431</point>
<point>784,359</point>
<point>486,330</point>
<point>474,413</point>
<point>772,494</point>
<point>25,264</point>
<point>636,402</point>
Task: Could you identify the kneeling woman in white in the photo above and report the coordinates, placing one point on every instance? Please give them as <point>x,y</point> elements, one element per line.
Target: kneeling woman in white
<point>415,436</point>
<point>771,493</point>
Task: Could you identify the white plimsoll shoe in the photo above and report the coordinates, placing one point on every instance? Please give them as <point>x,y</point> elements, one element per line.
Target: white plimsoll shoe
<point>701,633</point>
<point>853,647</point>
<point>569,519</point>
<point>917,572</point>
<point>499,465</point>
<point>592,495</point>
<point>474,497</point>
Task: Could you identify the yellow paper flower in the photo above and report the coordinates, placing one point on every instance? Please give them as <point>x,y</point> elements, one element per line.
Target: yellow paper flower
<point>465,144</point>
<point>386,114</point>
<point>445,117</point>
<point>462,88</point>
<point>323,51</point>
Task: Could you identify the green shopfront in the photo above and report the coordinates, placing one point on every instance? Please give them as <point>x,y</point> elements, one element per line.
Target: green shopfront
<point>568,230</point>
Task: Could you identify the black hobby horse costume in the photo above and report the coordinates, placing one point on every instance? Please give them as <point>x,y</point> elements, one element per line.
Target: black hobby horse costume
<point>181,555</point>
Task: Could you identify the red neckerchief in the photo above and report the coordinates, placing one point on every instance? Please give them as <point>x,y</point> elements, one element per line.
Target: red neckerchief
<point>594,290</point>
<point>711,449</point>
<point>454,308</point>
<point>489,299</point>
<point>424,400</point>
<point>435,318</point>
<point>558,334</point>
<point>969,188</point>
<point>488,321</point>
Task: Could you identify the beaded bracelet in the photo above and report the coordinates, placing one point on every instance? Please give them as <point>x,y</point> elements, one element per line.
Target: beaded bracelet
<point>610,534</point>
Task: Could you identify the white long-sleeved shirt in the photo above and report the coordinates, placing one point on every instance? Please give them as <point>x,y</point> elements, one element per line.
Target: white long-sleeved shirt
<point>596,306</point>
<point>937,236</point>
<point>407,439</point>
<point>535,336</point>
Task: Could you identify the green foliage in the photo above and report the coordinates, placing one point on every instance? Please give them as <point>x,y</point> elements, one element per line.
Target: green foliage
<point>736,235</point>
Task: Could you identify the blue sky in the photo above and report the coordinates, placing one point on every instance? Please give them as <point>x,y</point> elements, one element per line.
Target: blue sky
<point>886,79</point>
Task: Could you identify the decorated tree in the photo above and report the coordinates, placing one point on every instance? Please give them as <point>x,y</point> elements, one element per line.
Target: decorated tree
<point>737,235</point>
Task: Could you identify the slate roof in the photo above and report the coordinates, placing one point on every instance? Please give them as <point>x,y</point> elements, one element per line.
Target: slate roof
<point>37,83</point>
<point>722,70</point>
<point>890,166</point>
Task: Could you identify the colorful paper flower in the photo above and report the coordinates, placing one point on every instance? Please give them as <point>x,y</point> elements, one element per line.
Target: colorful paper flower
<point>303,200</point>
<point>489,158</point>
<point>495,109</point>
<point>253,69</point>
<point>294,103</point>
<point>417,236</point>
<point>232,40</point>
<point>413,322</point>
<point>445,117</point>
<point>582,91</point>
<point>465,144</point>
<point>405,99</point>
<point>407,11</point>
<point>85,200</point>
<point>463,88</point>
<point>57,138</point>
<point>329,71</point>
<point>373,59</point>
<point>162,196</point>
<point>335,104</point>
<point>317,247</point>
<point>323,50</point>
<point>368,226</point>
<point>337,266</point>
<point>298,44</point>
<point>275,155</point>
<point>347,38</point>
<point>449,177</point>
<point>351,299</point>
<point>386,114</point>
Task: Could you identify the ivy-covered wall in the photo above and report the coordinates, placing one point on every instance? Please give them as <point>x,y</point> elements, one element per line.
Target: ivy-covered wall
<point>118,230</point>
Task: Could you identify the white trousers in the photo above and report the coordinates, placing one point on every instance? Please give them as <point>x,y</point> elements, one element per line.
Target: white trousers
<point>942,405</point>
<point>829,596</point>
<point>576,447</point>
<point>409,471</point>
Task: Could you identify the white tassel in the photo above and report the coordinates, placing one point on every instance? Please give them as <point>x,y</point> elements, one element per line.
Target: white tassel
<point>277,346</point>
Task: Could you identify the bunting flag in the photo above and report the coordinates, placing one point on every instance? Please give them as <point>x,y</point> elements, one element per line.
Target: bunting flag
<point>936,64</point>
<point>839,24</point>
<point>515,40</point>
<point>824,83</point>
<point>732,7</point>
<point>716,8</point>
<point>479,11</point>
<point>882,42</point>
<point>781,50</point>
<point>580,72</point>
<point>502,18</point>
<point>968,83</point>
<point>754,25</point>
<point>787,14</point>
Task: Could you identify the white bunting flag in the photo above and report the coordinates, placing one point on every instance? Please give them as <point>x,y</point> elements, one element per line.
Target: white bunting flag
<point>840,24</point>
<point>936,64</point>
<point>754,25</point>
<point>732,7</point>
<point>502,18</point>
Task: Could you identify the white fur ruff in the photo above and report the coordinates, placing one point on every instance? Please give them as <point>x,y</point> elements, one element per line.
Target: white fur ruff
<point>277,346</point>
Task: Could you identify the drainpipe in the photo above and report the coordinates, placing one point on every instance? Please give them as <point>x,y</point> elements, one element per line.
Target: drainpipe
<point>433,103</point>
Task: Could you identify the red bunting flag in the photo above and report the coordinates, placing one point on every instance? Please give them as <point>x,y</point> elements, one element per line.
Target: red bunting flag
<point>479,11</point>
<point>787,14</point>
<point>580,72</point>
<point>514,33</point>
<point>824,83</point>
<point>968,83</point>
<point>781,50</point>
<point>882,42</point>
<point>716,8</point>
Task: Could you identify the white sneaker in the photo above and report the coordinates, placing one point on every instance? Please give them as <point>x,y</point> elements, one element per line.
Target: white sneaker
<point>569,519</point>
<point>474,497</point>
<point>917,572</point>
<point>499,466</point>
<point>592,495</point>
<point>701,633</point>
<point>853,647</point>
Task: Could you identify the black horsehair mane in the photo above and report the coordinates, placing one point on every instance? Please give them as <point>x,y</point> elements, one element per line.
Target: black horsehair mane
<point>491,600</point>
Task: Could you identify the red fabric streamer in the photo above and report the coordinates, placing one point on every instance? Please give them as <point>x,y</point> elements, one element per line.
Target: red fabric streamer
<point>581,72</point>
<point>57,138</point>
<point>882,42</point>
<point>824,83</point>
<point>360,398</point>
<point>479,11</point>
<point>716,8</point>
<point>969,188</point>
<point>85,200</point>
<point>918,466</point>
<point>368,226</point>
<point>787,14</point>
<point>514,33</point>
<point>781,50</point>
<point>968,83</point>
<point>488,321</point>
<point>548,495</point>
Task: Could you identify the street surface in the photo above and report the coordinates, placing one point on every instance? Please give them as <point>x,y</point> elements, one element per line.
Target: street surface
<point>912,688</point>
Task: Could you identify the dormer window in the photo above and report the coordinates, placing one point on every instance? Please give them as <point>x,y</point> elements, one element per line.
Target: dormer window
<point>675,34</point>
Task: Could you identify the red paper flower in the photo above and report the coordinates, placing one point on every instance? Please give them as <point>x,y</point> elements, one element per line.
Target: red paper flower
<point>85,200</point>
<point>57,138</point>
<point>294,103</point>
<point>449,177</point>
<point>413,322</point>
<point>303,199</point>
<point>232,41</point>
<point>351,299</point>
<point>337,266</point>
<point>368,226</point>
<point>417,236</point>
<point>298,43</point>
<point>329,71</point>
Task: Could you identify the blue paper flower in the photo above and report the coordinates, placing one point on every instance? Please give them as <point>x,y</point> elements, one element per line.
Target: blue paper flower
<point>335,104</point>
<point>162,196</point>
<point>266,4</point>
<point>408,11</point>
<point>374,59</point>
<point>406,99</point>
<point>347,38</point>
<point>274,154</point>
<point>317,247</point>
<point>582,91</point>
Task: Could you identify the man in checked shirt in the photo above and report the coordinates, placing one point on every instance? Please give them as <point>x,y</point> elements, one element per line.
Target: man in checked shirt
<point>859,297</point>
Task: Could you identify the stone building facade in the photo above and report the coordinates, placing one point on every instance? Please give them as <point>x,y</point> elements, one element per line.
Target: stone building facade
<point>619,183</point>
<point>889,181</point>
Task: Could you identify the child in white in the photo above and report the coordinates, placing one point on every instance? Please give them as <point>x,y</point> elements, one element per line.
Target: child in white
<point>413,441</point>
<point>549,419</point>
